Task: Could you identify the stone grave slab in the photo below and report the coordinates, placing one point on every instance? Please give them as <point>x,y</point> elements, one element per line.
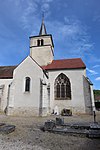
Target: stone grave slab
<point>6,129</point>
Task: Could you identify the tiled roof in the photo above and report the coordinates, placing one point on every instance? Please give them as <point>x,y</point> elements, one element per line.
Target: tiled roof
<point>75,63</point>
<point>97,98</point>
<point>6,72</point>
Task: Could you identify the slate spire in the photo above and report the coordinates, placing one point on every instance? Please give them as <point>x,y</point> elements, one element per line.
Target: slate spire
<point>43,28</point>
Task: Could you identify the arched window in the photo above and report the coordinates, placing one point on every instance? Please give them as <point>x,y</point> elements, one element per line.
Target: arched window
<point>40,42</point>
<point>62,87</point>
<point>58,90</point>
<point>27,84</point>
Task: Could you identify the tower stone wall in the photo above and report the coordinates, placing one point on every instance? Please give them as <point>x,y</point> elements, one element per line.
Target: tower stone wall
<point>41,49</point>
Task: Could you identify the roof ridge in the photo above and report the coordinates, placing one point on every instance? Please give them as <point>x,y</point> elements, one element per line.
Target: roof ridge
<point>66,59</point>
<point>39,65</point>
<point>9,66</point>
<point>74,63</point>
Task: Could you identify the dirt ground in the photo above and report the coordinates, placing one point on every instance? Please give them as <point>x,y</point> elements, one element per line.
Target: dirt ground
<point>28,136</point>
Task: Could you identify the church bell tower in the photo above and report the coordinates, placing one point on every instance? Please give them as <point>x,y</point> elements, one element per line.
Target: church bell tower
<point>41,47</point>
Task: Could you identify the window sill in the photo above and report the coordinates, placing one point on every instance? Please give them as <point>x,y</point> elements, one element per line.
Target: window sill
<point>62,98</point>
<point>27,92</point>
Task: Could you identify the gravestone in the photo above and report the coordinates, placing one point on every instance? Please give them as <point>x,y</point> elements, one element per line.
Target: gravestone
<point>59,121</point>
<point>49,125</point>
<point>56,110</point>
<point>6,128</point>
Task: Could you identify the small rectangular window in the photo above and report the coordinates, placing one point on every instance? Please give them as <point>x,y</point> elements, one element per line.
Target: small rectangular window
<point>27,84</point>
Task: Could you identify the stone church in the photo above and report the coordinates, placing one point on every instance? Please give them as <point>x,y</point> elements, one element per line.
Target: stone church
<point>40,85</point>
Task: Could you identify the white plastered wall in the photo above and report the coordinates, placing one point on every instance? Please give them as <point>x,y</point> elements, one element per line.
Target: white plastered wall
<point>47,40</point>
<point>4,94</point>
<point>21,102</point>
<point>43,55</point>
<point>76,104</point>
<point>87,96</point>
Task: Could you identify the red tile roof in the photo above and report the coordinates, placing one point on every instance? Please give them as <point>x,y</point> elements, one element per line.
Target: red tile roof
<point>6,72</point>
<point>75,63</point>
<point>97,97</point>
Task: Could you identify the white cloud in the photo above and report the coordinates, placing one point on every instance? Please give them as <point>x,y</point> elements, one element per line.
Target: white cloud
<point>96,18</point>
<point>93,58</point>
<point>96,66</point>
<point>97,79</point>
<point>47,1</point>
<point>32,9</point>
<point>92,72</point>
<point>73,35</point>
<point>45,7</point>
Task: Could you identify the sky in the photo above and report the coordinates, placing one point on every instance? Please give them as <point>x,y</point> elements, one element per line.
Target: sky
<point>74,25</point>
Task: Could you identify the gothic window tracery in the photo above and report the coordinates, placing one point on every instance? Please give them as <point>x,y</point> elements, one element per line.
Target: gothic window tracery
<point>62,87</point>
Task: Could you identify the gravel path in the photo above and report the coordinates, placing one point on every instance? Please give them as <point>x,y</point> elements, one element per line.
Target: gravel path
<point>17,145</point>
<point>27,135</point>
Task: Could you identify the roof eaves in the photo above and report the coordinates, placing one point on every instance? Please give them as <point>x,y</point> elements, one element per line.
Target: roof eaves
<point>64,68</point>
<point>6,77</point>
<point>88,80</point>
<point>44,71</point>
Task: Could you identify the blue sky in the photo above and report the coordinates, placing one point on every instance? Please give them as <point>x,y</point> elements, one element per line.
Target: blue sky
<point>74,25</point>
